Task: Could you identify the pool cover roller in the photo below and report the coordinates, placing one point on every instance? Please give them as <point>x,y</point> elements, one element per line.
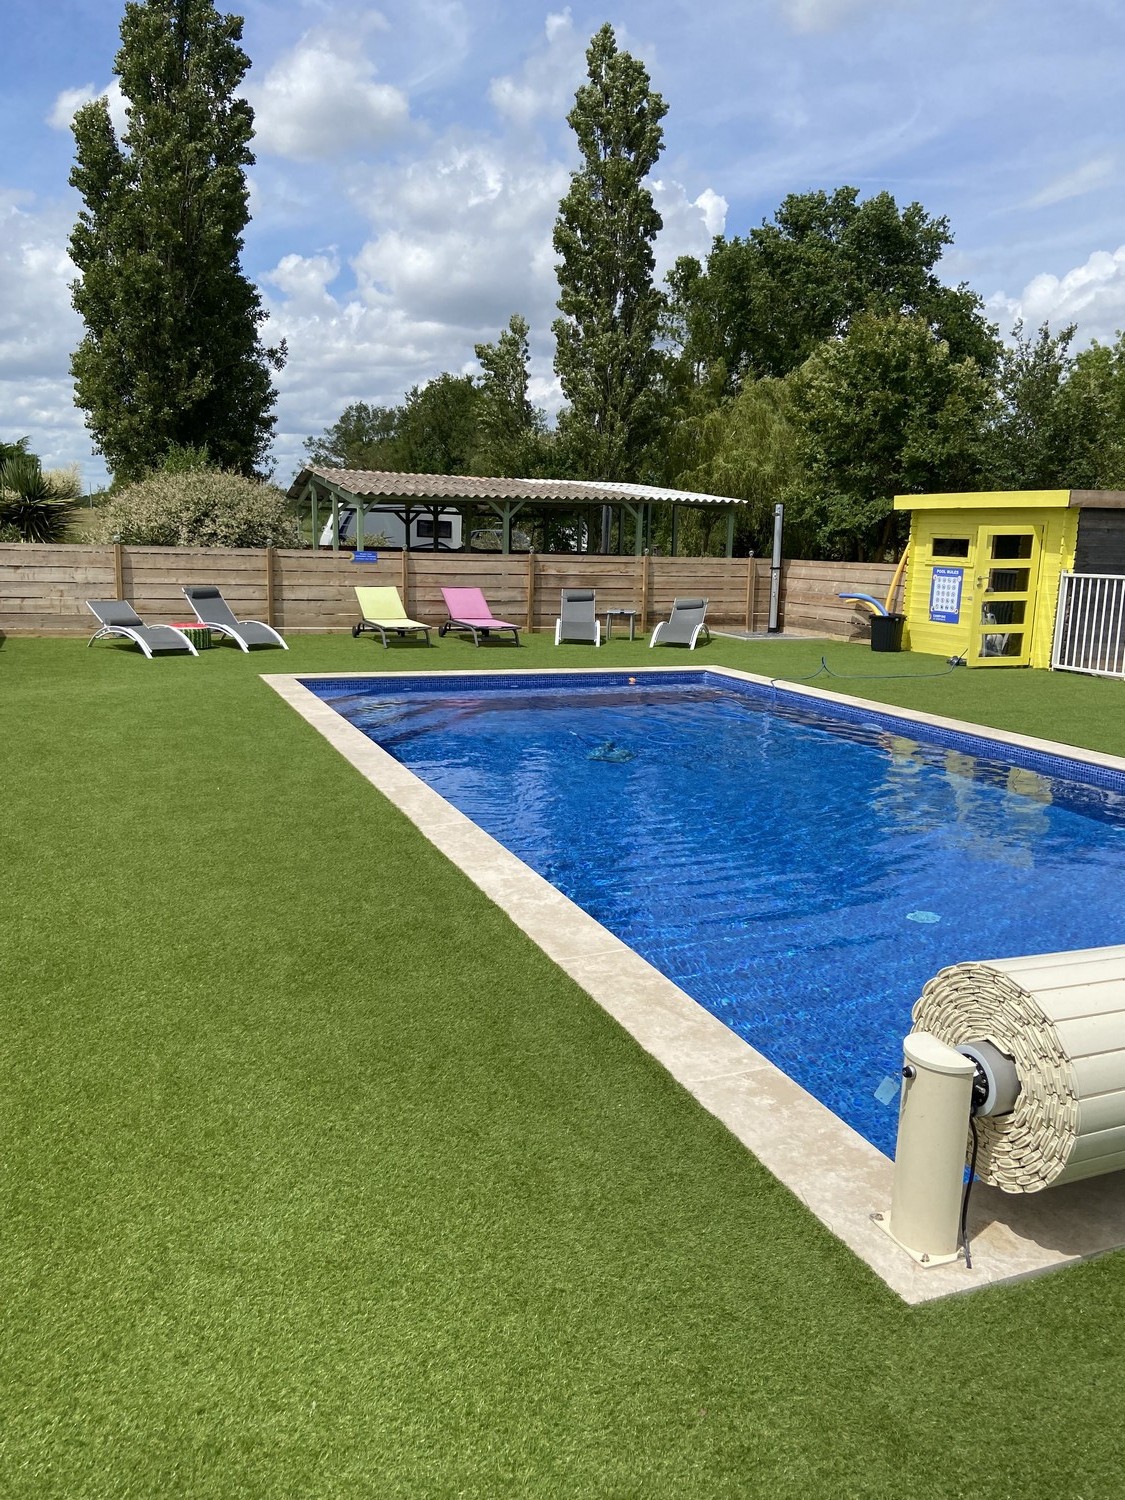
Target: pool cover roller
<point>1061,1018</point>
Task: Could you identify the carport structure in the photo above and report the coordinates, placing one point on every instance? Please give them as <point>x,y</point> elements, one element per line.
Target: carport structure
<point>327,491</point>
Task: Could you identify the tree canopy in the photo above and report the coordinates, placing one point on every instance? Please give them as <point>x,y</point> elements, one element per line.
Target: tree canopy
<point>172,354</point>
<point>605,354</point>
<point>762,304</point>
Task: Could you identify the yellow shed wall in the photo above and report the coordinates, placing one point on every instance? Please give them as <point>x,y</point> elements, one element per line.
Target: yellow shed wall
<point>1059,532</point>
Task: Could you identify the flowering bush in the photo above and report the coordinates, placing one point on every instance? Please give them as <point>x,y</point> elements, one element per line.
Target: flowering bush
<point>198,508</point>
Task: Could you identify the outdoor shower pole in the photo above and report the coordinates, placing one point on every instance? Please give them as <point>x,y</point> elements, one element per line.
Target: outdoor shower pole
<point>775,567</point>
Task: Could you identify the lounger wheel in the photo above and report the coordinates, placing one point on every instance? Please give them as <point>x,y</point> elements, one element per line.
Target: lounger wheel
<point>442,629</point>
<point>355,632</point>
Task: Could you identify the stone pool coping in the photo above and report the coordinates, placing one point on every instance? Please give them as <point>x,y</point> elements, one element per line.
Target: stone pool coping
<point>834,1171</point>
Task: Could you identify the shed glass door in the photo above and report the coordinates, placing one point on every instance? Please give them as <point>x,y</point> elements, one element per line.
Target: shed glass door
<point>1003,610</point>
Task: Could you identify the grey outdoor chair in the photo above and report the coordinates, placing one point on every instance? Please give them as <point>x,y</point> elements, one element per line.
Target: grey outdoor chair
<point>213,610</point>
<point>577,621</point>
<point>683,626</point>
<point>118,618</point>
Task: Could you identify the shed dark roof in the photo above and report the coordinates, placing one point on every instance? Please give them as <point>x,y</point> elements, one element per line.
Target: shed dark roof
<point>381,484</point>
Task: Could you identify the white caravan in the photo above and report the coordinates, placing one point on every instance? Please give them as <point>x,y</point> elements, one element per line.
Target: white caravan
<point>383,520</point>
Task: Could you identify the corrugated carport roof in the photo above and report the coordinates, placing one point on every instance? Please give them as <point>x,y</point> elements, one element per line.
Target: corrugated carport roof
<point>378,484</point>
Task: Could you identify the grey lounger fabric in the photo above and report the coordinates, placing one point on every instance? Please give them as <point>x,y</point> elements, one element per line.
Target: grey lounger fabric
<point>684,625</point>
<point>118,618</point>
<point>212,609</point>
<point>577,620</point>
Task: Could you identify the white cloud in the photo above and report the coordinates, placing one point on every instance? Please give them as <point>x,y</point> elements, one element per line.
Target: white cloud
<point>38,331</point>
<point>1083,179</point>
<point>545,86</point>
<point>1091,295</point>
<point>823,15</point>
<point>321,101</point>
<point>689,225</point>
<point>70,101</point>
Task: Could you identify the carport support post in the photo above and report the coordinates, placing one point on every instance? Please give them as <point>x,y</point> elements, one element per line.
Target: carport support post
<point>315,532</point>
<point>675,529</point>
<point>730,531</point>
<point>360,512</point>
<point>335,522</point>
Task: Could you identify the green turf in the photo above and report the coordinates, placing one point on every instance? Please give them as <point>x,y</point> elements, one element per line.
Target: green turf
<point>320,1180</point>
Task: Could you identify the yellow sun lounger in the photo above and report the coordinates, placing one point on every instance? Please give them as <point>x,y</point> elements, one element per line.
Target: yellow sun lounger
<point>383,613</point>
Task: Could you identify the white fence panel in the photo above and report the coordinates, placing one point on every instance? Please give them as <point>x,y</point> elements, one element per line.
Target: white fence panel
<point>1090,624</point>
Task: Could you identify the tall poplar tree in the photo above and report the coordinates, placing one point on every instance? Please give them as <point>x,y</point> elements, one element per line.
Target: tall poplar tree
<point>172,356</point>
<point>510,428</point>
<point>605,353</point>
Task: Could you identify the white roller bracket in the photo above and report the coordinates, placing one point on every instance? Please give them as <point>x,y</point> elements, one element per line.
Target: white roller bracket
<point>933,1123</point>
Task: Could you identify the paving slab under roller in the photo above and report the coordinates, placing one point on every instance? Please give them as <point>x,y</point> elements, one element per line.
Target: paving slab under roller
<point>1061,1017</point>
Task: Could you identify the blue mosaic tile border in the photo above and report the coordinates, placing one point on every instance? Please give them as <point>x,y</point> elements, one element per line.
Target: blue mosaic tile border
<point>1059,767</point>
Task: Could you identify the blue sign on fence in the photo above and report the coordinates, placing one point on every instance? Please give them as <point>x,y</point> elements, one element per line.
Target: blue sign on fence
<point>365,557</point>
<point>945,595</point>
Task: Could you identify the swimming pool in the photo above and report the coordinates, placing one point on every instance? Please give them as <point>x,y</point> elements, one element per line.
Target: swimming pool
<point>800,868</point>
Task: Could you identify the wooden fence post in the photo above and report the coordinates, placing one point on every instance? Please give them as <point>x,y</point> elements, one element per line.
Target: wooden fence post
<point>405,580</point>
<point>269,582</point>
<point>118,570</point>
<point>530,592</point>
<point>644,591</point>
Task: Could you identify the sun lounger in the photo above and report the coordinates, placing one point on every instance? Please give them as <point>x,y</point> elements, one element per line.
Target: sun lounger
<point>382,612</point>
<point>468,610</point>
<point>212,609</point>
<point>118,618</point>
<point>683,625</point>
<point>577,620</point>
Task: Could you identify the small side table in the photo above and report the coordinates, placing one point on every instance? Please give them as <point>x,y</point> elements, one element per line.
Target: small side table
<point>199,635</point>
<point>629,614</point>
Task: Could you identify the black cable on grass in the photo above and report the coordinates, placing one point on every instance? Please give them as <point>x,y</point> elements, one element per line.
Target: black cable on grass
<point>965,1194</point>
<point>827,671</point>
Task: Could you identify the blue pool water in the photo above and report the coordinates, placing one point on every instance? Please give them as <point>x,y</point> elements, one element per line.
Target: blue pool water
<point>801,872</point>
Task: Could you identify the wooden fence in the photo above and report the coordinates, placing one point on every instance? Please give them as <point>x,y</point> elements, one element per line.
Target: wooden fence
<point>43,588</point>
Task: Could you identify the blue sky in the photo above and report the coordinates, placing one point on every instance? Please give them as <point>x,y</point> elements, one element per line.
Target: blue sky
<point>411,158</point>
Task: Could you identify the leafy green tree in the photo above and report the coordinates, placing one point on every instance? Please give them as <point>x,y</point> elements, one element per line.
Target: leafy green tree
<point>510,430</point>
<point>888,409</point>
<point>605,340</point>
<point>744,447</point>
<point>1095,399</point>
<point>764,303</point>
<point>363,437</point>
<point>437,426</point>
<point>172,354</point>
<point>1062,422</point>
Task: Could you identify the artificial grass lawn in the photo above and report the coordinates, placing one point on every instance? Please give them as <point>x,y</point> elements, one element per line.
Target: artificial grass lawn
<point>321,1180</point>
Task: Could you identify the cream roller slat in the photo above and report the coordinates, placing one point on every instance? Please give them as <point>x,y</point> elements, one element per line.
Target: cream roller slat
<point>1099,1074</point>
<point>1102,1112</point>
<point>1050,970</point>
<point>1073,1001</point>
<point>1061,1016</point>
<point>1090,1036</point>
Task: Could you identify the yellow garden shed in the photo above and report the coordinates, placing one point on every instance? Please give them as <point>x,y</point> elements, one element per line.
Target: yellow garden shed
<point>982,574</point>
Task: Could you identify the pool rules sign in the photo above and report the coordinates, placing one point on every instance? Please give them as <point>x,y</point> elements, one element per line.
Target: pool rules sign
<point>945,595</point>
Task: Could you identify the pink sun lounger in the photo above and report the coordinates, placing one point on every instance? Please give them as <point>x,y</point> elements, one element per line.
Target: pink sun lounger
<point>468,610</point>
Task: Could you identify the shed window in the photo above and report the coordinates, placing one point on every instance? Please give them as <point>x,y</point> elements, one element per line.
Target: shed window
<point>951,546</point>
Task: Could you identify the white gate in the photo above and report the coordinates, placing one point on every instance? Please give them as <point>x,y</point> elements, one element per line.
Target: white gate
<point>1090,624</point>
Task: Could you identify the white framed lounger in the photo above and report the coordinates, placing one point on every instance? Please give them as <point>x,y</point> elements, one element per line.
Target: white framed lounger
<point>116,617</point>
<point>684,625</point>
<point>578,619</point>
<point>212,610</point>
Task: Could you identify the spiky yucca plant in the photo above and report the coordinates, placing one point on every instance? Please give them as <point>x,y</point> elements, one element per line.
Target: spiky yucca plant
<point>28,504</point>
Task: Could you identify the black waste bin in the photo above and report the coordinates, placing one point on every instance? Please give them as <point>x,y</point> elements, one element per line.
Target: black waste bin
<point>886,632</point>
